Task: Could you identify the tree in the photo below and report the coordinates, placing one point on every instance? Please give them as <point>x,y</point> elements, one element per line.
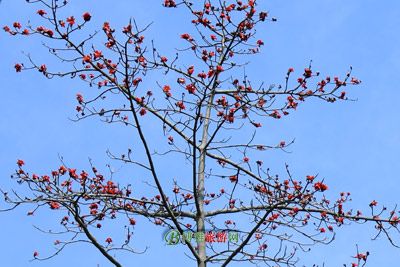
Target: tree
<point>210,118</point>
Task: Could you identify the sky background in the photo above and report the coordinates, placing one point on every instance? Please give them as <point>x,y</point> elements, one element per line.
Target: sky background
<point>353,145</point>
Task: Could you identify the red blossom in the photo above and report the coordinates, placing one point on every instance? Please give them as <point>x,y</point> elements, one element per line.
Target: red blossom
<point>54,205</point>
<point>86,16</point>
<point>169,3</point>
<point>41,12</point>
<point>180,105</point>
<point>50,33</point>
<point>43,68</point>
<point>142,112</point>
<point>166,90</point>
<point>187,37</point>
<point>97,54</point>
<point>190,70</point>
<point>79,97</point>
<point>87,59</point>
<point>233,178</point>
<point>18,67</point>
<point>164,59</point>
<point>17,25</point>
<point>310,178</point>
<point>71,20</point>
<point>319,186</point>
<point>191,88</point>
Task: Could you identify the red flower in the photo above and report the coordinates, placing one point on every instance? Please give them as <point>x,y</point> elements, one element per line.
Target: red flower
<point>54,205</point>
<point>355,80</point>
<point>188,196</point>
<point>307,72</point>
<point>87,59</point>
<point>169,3</point>
<point>310,178</point>
<point>166,90</point>
<point>220,68</point>
<point>191,88</point>
<point>263,247</point>
<point>97,54</point>
<point>164,59</point>
<point>25,32</point>
<point>18,67</point>
<point>132,221</point>
<point>79,97</point>
<point>180,105</point>
<point>190,70</point>
<point>109,240</point>
<point>62,170</point>
<point>86,16</point>
<point>233,178</point>
<point>43,68</point>
<point>50,33</point>
<point>17,25</point>
<point>142,112</point>
<point>71,20</point>
<point>35,254</point>
<point>41,12</point>
<point>20,162</point>
<point>319,186</point>
<point>187,37</point>
<point>202,75</point>
<point>362,256</point>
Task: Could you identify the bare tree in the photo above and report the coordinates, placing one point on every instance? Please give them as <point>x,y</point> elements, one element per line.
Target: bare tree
<point>233,206</point>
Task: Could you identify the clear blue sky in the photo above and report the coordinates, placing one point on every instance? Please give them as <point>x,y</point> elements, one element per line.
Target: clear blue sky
<point>354,145</point>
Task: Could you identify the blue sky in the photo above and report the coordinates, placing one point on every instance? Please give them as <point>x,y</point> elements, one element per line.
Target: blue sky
<point>354,145</point>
